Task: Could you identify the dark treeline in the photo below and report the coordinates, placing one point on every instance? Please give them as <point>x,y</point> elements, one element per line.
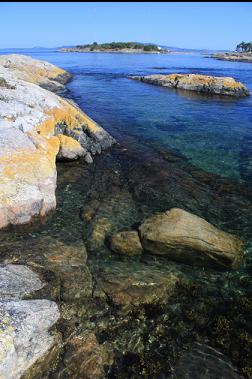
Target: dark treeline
<point>244,47</point>
<point>119,46</point>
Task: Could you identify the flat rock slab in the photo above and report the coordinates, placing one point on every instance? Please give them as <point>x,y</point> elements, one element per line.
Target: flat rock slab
<point>201,83</point>
<point>24,334</point>
<point>187,238</point>
<point>138,284</point>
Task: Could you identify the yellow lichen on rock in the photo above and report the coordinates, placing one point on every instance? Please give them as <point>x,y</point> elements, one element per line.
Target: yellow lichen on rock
<point>30,123</point>
<point>199,83</point>
<point>31,70</point>
<point>69,114</point>
<point>69,148</point>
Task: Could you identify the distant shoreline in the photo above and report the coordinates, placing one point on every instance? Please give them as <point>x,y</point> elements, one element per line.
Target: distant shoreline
<point>124,51</point>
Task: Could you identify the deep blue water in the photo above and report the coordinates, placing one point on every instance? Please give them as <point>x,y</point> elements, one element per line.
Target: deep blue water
<point>214,133</point>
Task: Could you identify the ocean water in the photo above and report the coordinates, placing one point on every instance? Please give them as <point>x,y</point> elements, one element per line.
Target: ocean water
<point>176,149</point>
<point>213,133</point>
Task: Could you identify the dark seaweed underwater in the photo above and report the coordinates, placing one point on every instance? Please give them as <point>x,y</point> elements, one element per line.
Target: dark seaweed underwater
<point>175,149</point>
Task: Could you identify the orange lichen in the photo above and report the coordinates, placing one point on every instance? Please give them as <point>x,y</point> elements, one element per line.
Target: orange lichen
<point>72,116</point>
<point>68,142</point>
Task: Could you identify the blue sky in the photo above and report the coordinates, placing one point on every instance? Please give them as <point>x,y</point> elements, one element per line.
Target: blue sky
<point>188,25</point>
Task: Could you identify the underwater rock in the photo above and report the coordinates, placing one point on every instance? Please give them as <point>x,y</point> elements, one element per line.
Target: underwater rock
<point>126,243</point>
<point>129,286</point>
<point>187,238</point>
<point>200,83</point>
<point>30,118</point>
<point>202,361</point>
<point>85,357</point>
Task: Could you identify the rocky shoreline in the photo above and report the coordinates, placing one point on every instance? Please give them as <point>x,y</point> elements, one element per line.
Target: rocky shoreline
<point>198,83</point>
<point>233,57</point>
<point>37,127</point>
<point>122,51</point>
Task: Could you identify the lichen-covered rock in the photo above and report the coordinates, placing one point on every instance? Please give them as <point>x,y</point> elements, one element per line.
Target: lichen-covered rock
<point>187,238</point>
<point>35,71</point>
<point>24,334</point>
<point>200,83</point>
<point>233,57</point>
<point>126,243</point>
<point>30,119</point>
<point>27,178</point>
<point>69,149</point>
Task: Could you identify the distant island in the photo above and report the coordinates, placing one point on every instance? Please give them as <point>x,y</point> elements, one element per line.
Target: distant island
<point>243,53</point>
<point>117,47</point>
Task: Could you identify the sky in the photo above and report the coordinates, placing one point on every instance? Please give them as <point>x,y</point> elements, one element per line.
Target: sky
<point>199,25</point>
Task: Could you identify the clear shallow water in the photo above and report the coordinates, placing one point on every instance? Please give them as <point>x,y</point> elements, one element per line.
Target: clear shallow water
<point>214,133</point>
<point>172,146</point>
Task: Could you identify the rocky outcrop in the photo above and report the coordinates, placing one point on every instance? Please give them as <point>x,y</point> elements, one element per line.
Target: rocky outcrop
<point>70,149</point>
<point>36,126</point>
<point>24,326</point>
<point>126,243</point>
<point>233,57</point>
<point>199,83</point>
<point>187,238</point>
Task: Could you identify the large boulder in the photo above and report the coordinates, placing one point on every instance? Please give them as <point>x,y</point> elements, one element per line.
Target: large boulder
<point>187,238</point>
<point>200,83</point>
<point>126,243</point>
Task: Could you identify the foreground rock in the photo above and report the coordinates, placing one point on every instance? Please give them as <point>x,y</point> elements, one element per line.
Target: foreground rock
<point>233,57</point>
<point>200,83</point>
<point>24,323</point>
<point>31,117</point>
<point>186,238</point>
<point>126,243</point>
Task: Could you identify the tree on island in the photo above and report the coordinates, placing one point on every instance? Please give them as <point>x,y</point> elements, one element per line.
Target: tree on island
<point>245,47</point>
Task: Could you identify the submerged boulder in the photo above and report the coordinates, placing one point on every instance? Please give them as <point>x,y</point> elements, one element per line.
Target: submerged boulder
<point>200,83</point>
<point>187,238</point>
<point>126,243</point>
